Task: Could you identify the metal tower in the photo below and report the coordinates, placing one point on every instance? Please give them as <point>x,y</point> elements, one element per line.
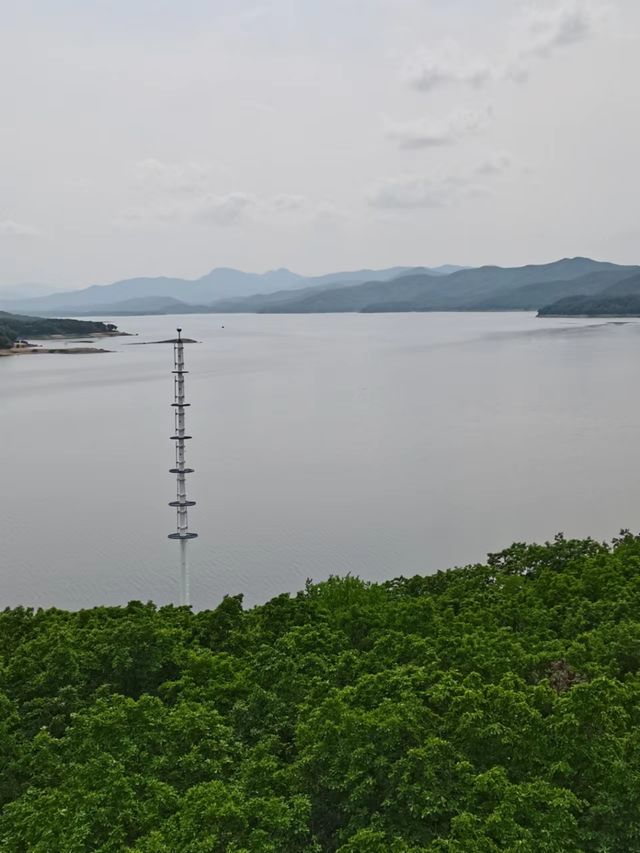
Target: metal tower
<point>181,503</point>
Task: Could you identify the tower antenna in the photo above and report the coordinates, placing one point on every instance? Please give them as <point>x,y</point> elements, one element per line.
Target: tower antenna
<point>181,503</point>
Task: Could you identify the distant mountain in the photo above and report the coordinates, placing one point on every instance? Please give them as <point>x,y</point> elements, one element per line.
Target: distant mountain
<point>28,290</point>
<point>628,286</point>
<point>220,283</point>
<point>224,290</point>
<point>530,297</point>
<point>620,299</point>
<point>144,305</point>
<point>482,289</point>
<point>494,288</point>
<point>446,269</point>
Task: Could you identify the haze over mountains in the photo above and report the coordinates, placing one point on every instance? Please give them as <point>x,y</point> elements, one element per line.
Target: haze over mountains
<point>570,285</point>
<point>220,283</point>
<point>483,289</point>
<point>27,290</point>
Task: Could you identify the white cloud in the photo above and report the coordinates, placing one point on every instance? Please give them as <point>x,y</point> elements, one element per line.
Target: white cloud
<point>413,191</point>
<point>233,208</point>
<point>410,191</point>
<point>440,190</point>
<point>298,209</point>
<point>542,29</point>
<point>10,228</point>
<point>182,191</point>
<point>224,209</point>
<point>146,214</point>
<point>546,28</point>
<point>326,212</point>
<point>157,177</point>
<point>495,163</point>
<point>448,63</point>
<point>187,192</point>
<point>286,203</point>
<point>290,208</point>
<point>431,132</point>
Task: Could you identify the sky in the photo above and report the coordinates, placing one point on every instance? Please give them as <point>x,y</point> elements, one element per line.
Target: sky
<point>168,137</point>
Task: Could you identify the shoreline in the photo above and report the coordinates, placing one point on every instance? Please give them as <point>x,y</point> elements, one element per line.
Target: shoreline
<point>25,347</point>
<point>35,349</point>
<point>107,334</point>
<point>589,316</point>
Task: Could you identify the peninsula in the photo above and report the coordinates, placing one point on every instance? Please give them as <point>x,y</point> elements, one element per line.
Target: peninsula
<point>15,329</point>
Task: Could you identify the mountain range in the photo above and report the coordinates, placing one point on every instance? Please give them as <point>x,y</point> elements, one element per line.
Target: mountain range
<point>568,286</point>
<point>487,288</point>
<point>220,283</point>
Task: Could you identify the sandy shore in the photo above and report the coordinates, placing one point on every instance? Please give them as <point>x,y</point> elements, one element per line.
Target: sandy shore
<point>29,348</point>
<point>33,349</point>
<point>115,334</point>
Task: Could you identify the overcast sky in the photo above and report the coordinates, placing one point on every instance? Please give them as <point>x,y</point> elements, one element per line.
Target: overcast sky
<point>145,137</point>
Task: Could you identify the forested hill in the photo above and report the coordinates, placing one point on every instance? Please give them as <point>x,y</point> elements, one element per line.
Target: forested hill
<point>620,298</point>
<point>488,288</point>
<point>219,283</point>
<point>448,288</point>
<point>14,327</point>
<point>594,306</point>
<point>492,708</point>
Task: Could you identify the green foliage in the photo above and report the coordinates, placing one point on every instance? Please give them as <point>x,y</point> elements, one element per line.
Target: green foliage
<point>13,327</point>
<point>601,305</point>
<point>8,336</point>
<point>490,708</point>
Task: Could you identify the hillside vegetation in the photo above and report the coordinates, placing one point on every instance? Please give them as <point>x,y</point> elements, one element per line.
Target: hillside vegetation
<point>491,708</point>
<point>488,288</point>
<point>593,306</point>
<point>620,298</point>
<point>219,283</point>
<point>15,327</point>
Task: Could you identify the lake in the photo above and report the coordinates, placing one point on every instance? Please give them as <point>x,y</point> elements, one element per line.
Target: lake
<point>377,444</point>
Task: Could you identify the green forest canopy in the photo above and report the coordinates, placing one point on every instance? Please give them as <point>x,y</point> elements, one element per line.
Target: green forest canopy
<point>14,327</point>
<point>490,708</point>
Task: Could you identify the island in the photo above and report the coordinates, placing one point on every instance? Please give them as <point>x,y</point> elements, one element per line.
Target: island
<point>17,329</point>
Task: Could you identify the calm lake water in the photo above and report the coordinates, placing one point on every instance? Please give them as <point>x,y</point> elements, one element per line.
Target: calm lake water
<point>378,445</point>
